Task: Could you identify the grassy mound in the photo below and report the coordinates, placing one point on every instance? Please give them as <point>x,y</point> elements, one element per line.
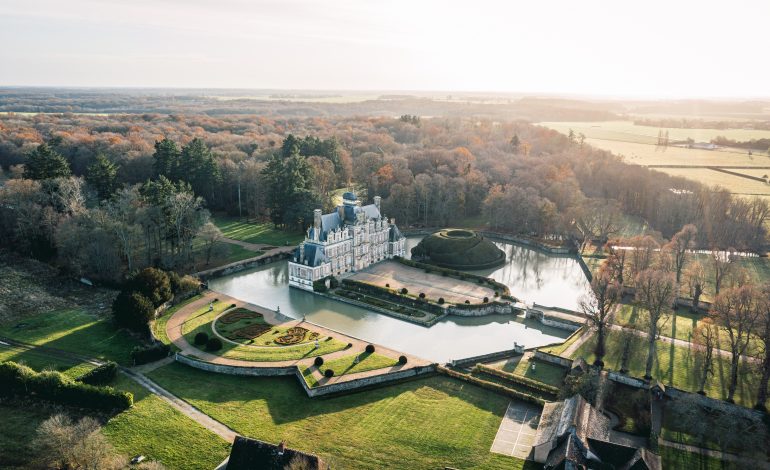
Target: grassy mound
<point>458,249</point>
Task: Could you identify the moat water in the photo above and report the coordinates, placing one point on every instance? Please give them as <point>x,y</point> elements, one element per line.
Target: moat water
<point>531,275</point>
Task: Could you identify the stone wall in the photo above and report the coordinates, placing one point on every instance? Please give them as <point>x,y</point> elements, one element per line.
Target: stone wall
<point>553,321</point>
<point>241,265</point>
<point>335,388</point>
<point>486,357</point>
<point>366,382</point>
<point>552,359</point>
<point>481,310</point>
<point>234,370</point>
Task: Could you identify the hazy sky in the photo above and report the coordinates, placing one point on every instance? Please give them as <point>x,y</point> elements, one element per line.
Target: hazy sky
<point>672,48</point>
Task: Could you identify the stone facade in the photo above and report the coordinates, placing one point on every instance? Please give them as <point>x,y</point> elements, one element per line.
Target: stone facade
<point>347,240</point>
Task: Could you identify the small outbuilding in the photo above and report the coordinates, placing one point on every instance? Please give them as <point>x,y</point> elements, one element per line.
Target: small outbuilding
<point>251,454</point>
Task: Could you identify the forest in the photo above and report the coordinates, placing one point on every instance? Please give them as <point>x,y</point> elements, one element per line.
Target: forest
<point>106,195</point>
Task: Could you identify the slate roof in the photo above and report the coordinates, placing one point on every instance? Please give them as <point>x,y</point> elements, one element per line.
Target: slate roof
<point>333,221</point>
<point>574,413</point>
<point>251,454</point>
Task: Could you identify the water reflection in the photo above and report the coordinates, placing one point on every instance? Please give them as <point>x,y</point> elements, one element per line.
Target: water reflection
<point>532,276</point>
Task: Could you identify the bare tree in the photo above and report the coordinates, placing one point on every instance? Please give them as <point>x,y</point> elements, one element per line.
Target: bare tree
<point>680,244</point>
<point>211,236</point>
<point>642,250</point>
<point>656,291</point>
<point>696,282</point>
<point>598,308</point>
<point>763,333</point>
<point>706,335</point>
<point>722,266</point>
<point>67,444</point>
<point>736,311</point>
<point>617,258</point>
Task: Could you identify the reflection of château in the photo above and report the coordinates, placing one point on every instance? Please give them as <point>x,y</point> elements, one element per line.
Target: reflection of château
<point>348,239</point>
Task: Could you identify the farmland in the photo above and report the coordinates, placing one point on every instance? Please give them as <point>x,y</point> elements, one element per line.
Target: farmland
<point>637,144</point>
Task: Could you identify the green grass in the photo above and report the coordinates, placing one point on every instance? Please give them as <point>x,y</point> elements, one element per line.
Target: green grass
<point>679,459</point>
<point>344,365</point>
<point>429,423</point>
<point>155,429</point>
<point>19,427</point>
<point>559,349</point>
<point>76,331</point>
<point>677,366</point>
<point>42,361</point>
<point>680,324</point>
<point>159,325</point>
<point>256,232</point>
<point>544,372</point>
<point>201,320</point>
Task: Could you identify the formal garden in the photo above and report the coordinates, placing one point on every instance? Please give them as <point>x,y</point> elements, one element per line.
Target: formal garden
<point>247,336</point>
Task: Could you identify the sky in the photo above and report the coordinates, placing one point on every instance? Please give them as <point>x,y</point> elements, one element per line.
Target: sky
<point>655,49</point>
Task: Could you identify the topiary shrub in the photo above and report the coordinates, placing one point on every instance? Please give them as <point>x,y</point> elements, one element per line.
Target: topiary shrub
<point>387,285</point>
<point>201,338</point>
<point>328,373</point>
<point>213,344</point>
<point>101,375</point>
<point>402,360</point>
<point>404,291</point>
<point>370,348</point>
<point>486,300</point>
<point>467,301</point>
<point>232,306</point>
<point>422,295</point>
<point>142,355</point>
<point>319,361</point>
<point>350,345</point>
<point>441,301</point>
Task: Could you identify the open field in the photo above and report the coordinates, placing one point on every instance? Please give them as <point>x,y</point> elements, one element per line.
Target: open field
<point>256,232</point>
<point>675,365</point>
<point>42,361</point>
<point>429,423</point>
<point>629,132</point>
<point>418,281</point>
<point>734,184</point>
<point>651,154</point>
<point>76,331</point>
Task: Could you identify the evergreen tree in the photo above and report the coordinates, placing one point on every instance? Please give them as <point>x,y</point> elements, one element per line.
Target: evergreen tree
<point>200,169</point>
<point>43,163</point>
<point>166,159</point>
<point>102,175</point>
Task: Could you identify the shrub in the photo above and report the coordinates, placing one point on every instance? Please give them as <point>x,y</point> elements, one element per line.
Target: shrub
<point>441,301</point>
<point>486,300</point>
<point>387,285</point>
<point>213,344</point>
<point>404,291</point>
<point>370,348</point>
<point>467,301</point>
<point>497,294</point>
<point>328,373</point>
<point>232,306</point>
<point>58,388</point>
<point>422,295</point>
<point>402,360</point>
<point>350,345</point>
<point>142,355</point>
<point>133,310</point>
<point>320,285</point>
<point>333,282</point>
<point>101,375</point>
<point>152,283</point>
<point>318,361</point>
<point>201,338</point>
<point>183,286</point>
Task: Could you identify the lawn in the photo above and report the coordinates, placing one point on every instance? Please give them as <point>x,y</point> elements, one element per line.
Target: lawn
<point>559,349</point>
<point>201,321</point>
<point>256,232</point>
<point>42,361</point>
<point>155,429</point>
<point>677,366</point>
<point>679,459</point>
<point>421,424</point>
<point>159,325</point>
<point>680,324</point>
<point>345,365</point>
<point>76,331</point>
<point>151,427</point>
<point>544,372</point>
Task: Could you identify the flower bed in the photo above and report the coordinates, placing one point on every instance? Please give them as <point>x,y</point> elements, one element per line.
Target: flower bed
<point>237,315</point>
<point>293,335</point>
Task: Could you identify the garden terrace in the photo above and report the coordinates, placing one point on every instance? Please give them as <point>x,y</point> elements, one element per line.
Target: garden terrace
<point>346,365</point>
<point>454,290</point>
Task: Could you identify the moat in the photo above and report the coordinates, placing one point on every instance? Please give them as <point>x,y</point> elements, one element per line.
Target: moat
<point>532,276</point>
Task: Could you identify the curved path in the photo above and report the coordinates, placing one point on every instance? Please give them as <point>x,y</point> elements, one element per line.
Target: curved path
<point>181,316</point>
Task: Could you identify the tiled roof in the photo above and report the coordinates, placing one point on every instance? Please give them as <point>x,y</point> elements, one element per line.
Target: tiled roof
<point>250,454</point>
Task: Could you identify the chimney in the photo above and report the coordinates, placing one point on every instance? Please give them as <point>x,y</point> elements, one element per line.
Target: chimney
<point>317,223</point>
<point>377,200</point>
